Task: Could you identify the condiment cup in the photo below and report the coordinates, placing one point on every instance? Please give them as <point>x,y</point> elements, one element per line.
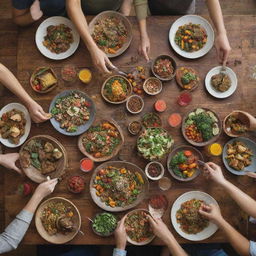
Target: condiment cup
<point>159,165</point>
<point>127,104</point>
<point>81,168</point>
<point>130,130</point>
<point>146,89</point>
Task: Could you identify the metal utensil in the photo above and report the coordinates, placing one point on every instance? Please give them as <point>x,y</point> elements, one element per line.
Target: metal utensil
<point>223,70</point>
<point>89,219</point>
<point>202,163</point>
<point>120,72</point>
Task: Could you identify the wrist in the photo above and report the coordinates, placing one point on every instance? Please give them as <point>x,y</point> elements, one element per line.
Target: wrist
<point>221,31</point>
<point>121,246</point>
<point>220,222</point>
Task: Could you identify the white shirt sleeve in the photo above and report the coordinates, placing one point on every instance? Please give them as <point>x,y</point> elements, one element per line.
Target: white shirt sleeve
<point>252,248</point>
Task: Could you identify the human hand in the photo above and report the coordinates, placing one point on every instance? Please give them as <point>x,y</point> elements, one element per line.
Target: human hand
<point>144,47</point>
<point>37,113</point>
<point>222,47</point>
<point>214,172</point>
<point>46,188</point>
<point>35,10</point>
<point>211,212</point>
<point>8,161</point>
<point>120,235</point>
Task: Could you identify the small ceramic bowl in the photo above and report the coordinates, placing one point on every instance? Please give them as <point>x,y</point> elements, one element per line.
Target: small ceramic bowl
<point>134,123</point>
<point>76,179</point>
<point>146,87</point>
<point>129,101</point>
<point>159,165</point>
<point>81,166</point>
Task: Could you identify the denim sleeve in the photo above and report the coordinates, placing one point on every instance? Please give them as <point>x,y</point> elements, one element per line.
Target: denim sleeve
<point>252,248</point>
<point>22,4</point>
<point>119,252</point>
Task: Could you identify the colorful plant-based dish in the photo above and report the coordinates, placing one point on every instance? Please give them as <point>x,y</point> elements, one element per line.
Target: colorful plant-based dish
<point>58,38</point>
<point>118,187</point>
<point>152,86</point>
<point>101,140</point>
<point>151,120</point>
<point>71,111</point>
<point>134,127</point>
<point>187,78</point>
<point>163,67</point>
<point>104,223</point>
<point>57,217</point>
<point>137,77</point>
<point>41,154</point>
<point>137,226</point>
<point>239,155</point>
<point>12,125</point>
<point>221,82</point>
<point>110,34</point>
<point>235,125</point>
<point>201,125</point>
<point>184,164</point>
<point>189,218</point>
<point>76,184</point>
<point>154,143</point>
<point>191,37</point>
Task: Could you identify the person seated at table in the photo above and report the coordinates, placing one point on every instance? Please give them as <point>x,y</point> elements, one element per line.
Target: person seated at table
<point>26,12</point>
<point>212,212</point>
<point>10,82</point>
<point>177,7</point>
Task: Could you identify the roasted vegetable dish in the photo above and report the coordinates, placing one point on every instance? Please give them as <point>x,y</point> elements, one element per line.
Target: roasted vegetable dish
<point>136,77</point>
<point>151,120</point>
<point>187,78</point>
<point>239,155</point>
<point>118,187</point>
<point>12,125</point>
<point>71,111</point>
<point>221,82</point>
<point>189,218</point>
<point>191,37</point>
<point>235,125</point>
<point>163,67</point>
<point>104,223</point>
<point>58,38</point>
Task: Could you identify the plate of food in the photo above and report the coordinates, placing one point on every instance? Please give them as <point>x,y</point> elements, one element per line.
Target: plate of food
<point>117,186</point>
<point>137,76</point>
<point>191,36</point>
<point>239,155</point>
<point>72,112</point>
<point>154,143</point>
<point>187,78</point>
<point>151,119</point>
<point>221,83</point>
<point>57,220</point>
<point>186,219</point>
<point>116,89</point>
<point>137,226</point>
<point>112,32</point>
<point>43,156</point>
<point>15,124</point>
<point>102,141</point>
<point>43,80</point>
<point>182,163</point>
<point>201,127</point>
<point>57,38</point>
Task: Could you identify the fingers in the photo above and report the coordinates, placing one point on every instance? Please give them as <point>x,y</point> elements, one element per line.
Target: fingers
<point>225,57</point>
<point>15,168</point>
<point>110,64</point>
<point>152,221</point>
<point>251,174</point>
<point>145,53</point>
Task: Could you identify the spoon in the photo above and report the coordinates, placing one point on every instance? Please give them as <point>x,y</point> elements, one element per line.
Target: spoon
<point>119,71</point>
<point>89,219</point>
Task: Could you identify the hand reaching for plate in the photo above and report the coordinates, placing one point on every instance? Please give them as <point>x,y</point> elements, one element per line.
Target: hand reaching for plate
<point>120,235</point>
<point>222,47</point>
<point>37,113</point>
<point>9,160</point>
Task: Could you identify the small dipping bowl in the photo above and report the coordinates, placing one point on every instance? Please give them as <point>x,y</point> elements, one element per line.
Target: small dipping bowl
<point>138,126</point>
<point>86,164</point>
<point>85,75</point>
<point>68,73</point>
<point>130,99</point>
<point>159,166</point>
<point>147,87</point>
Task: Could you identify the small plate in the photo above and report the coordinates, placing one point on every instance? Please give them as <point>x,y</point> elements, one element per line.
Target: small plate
<point>22,108</point>
<point>41,33</point>
<point>212,91</point>
<point>195,20</point>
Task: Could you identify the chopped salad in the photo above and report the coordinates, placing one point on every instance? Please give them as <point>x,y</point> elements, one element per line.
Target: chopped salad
<point>104,223</point>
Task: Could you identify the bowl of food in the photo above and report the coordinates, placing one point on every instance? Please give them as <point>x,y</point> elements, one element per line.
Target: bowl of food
<point>112,32</point>
<point>157,205</point>
<point>117,186</point>
<point>154,170</point>
<point>134,127</point>
<point>102,141</point>
<point>42,156</point>
<point>182,163</point>
<point>137,226</point>
<point>69,73</point>
<point>85,75</point>
<point>57,220</point>
<point>137,75</point>
<point>76,184</point>
<point>164,67</point>
<point>104,224</point>
<point>152,86</point>
<point>151,119</point>
<point>116,89</point>
<point>201,127</point>
<point>187,78</point>
<point>134,104</point>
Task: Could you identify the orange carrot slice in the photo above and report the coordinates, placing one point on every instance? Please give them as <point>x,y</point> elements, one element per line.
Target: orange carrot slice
<point>174,120</point>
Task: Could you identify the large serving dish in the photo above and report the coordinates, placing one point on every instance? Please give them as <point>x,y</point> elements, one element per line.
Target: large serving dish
<point>59,237</point>
<point>213,130</point>
<point>198,195</point>
<point>194,19</point>
<point>42,31</point>
<point>196,155</point>
<point>22,139</point>
<point>36,174</point>
<point>141,182</point>
<point>252,147</point>
<point>111,129</point>
<point>105,38</point>
<point>73,112</point>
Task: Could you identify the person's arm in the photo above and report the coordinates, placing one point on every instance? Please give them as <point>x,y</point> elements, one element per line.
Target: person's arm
<point>126,7</point>
<point>9,160</point>
<point>75,13</point>
<point>221,41</point>
<point>121,238</point>
<point>10,82</point>
<point>14,233</point>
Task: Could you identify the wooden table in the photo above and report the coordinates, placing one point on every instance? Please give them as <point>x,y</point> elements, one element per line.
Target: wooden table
<point>241,31</point>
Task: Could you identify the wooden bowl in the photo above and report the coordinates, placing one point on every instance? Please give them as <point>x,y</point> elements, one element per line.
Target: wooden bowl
<point>146,89</point>
<point>33,173</point>
<point>179,74</point>
<point>58,238</point>
<point>205,143</point>
<point>126,22</point>
<point>114,153</point>
<point>35,74</point>
<point>130,98</point>
<point>119,164</point>
<point>129,87</point>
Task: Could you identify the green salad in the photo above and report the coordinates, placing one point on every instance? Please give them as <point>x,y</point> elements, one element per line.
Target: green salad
<point>154,143</point>
<point>104,223</point>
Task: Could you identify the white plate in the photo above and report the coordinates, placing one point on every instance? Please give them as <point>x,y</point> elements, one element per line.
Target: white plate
<point>204,234</point>
<point>195,20</point>
<point>212,91</point>
<point>41,33</point>
<point>22,108</point>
